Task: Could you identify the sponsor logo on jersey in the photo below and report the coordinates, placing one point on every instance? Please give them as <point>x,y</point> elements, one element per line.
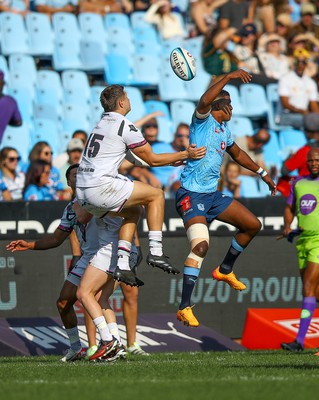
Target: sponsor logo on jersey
<point>307,204</point>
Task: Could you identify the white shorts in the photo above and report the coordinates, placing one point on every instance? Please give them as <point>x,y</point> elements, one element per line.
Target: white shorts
<point>110,196</point>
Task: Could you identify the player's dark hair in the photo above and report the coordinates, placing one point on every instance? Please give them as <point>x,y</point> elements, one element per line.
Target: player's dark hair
<point>222,94</point>
<point>68,171</point>
<point>34,172</point>
<point>110,96</point>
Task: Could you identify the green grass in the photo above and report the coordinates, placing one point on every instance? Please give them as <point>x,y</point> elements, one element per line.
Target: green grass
<point>268,375</point>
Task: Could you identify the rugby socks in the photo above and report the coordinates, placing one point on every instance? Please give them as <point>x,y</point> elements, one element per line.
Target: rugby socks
<point>235,249</point>
<point>189,280</point>
<point>114,330</point>
<point>155,241</point>
<point>73,335</point>
<point>103,329</point>
<point>308,307</point>
<point>124,250</point>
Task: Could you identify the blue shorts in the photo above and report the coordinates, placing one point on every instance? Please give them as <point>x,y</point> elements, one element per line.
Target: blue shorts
<point>209,205</point>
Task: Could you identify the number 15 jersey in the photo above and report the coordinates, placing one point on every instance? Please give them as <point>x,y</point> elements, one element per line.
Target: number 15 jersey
<point>106,148</point>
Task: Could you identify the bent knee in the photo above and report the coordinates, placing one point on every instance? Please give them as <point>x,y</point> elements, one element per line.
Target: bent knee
<point>201,249</point>
<point>255,227</point>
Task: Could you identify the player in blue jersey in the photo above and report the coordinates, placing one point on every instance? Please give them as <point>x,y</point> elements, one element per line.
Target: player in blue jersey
<point>198,201</point>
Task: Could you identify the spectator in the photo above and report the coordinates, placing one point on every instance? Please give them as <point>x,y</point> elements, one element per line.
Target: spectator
<point>103,7</point>
<point>150,131</point>
<point>283,28</point>
<point>13,179</point>
<point>275,64</point>
<point>21,7</point>
<point>298,93</point>
<point>5,195</point>
<point>43,151</point>
<point>233,14</point>
<point>218,56</point>
<point>141,5</point>
<point>51,7</point>
<point>262,13</point>
<point>62,158</point>
<point>202,14</point>
<point>298,161</point>
<point>168,24</point>
<point>230,182</point>
<point>74,151</point>
<point>9,112</point>
<point>305,25</point>
<point>37,182</point>
<point>253,146</point>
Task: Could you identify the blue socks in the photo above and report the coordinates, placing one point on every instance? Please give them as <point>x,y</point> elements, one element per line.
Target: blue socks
<point>189,280</point>
<point>235,249</point>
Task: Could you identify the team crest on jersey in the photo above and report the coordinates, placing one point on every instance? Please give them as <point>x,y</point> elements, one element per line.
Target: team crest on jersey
<point>201,207</point>
<point>223,145</point>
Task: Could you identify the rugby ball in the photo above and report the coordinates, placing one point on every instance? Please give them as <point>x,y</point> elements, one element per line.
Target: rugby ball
<point>183,64</point>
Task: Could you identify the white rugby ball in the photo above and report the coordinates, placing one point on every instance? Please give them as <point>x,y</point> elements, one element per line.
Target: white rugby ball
<point>183,63</point>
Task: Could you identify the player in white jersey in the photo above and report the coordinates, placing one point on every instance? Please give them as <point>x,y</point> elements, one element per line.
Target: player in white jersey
<point>101,190</point>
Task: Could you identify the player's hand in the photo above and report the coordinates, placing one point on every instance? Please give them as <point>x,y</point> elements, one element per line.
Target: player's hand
<point>271,184</point>
<point>241,74</point>
<point>18,245</point>
<point>195,153</point>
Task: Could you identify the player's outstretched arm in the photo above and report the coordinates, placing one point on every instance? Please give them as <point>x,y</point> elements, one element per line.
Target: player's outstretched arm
<point>213,91</point>
<point>145,152</point>
<point>48,242</point>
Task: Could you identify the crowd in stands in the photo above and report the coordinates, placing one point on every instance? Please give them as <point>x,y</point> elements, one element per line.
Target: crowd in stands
<point>276,41</point>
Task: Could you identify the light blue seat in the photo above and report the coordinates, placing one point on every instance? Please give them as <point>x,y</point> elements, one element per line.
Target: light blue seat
<point>96,113</point>
<point>24,96</point>
<point>235,99</point>
<point>147,47</point>
<point>76,116</point>
<point>49,79</point>
<point>118,70</point>
<point>291,140</point>
<point>117,20</point>
<point>75,96</point>
<point>194,46</point>
<point>158,105</point>
<point>181,112</point>
<point>198,85</point>
<point>165,129</point>
<point>25,66</point>
<point>19,138</point>
<point>249,187</point>
<point>47,111</point>
<point>4,67</point>
<point>273,100</point>
<point>170,87</point>
<point>254,101</point>
<point>67,54</point>
<point>77,81</point>
<point>41,38</point>
<point>92,56</point>
<point>120,40</point>
<point>146,33</point>
<point>92,29</point>
<point>240,126</point>
<point>272,152</point>
<point>46,130</point>
<point>14,36</point>
<point>138,109</point>
<point>167,46</point>
<point>138,19</point>
<point>65,26</point>
<point>96,93</point>
<point>146,69</point>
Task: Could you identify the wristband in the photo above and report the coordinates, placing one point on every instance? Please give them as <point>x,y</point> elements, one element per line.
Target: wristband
<point>261,172</point>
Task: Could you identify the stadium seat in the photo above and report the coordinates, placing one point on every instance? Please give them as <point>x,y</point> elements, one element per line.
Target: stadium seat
<point>76,116</point>
<point>41,38</point>
<point>92,56</point>
<point>18,138</point>
<point>235,99</point>
<point>46,130</point>
<point>118,70</point>
<point>25,66</point>
<point>138,20</point>
<point>117,20</point>
<point>96,113</point>
<point>249,187</point>
<point>198,85</point>
<point>194,46</point>
<point>49,90</point>
<point>75,96</point>
<point>77,81</point>
<point>290,141</point>
<point>120,41</point>
<point>254,101</point>
<point>147,47</point>
<point>138,109</point>
<point>146,69</point>
<point>240,126</point>
<point>165,130</point>
<point>181,111</point>
<point>66,55</point>
<point>24,96</point>
<point>168,45</point>
<point>4,68</point>
<point>47,111</point>
<point>65,26</point>
<point>273,99</point>
<point>95,93</point>
<point>14,36</point>
<point>272,152</point>
<point>158,105</point>
<point>92,29</point>
<point>170,87</point>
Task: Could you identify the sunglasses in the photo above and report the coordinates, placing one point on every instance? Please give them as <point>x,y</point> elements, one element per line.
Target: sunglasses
<point>48,153</point>
<point>151,126</point>
<point>11,159</point>
<point>180,135</point>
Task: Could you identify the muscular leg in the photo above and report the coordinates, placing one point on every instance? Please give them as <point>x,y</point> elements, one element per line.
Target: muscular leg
<point>130,312</point>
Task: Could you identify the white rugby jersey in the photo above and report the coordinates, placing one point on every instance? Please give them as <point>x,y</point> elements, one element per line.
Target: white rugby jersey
<point>106,148</point>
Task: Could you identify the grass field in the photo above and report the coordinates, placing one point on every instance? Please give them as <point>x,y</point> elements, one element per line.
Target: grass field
<point>268,375</point>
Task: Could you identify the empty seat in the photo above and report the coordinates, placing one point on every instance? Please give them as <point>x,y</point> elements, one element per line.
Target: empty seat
<point>194,46</point>
<point>198,85</point>
<point>235,99</point>
<point>67,54</point>
<point>24,96</point>
<point>181,111</point>
<point>158,105</point>
<point>290,140</point>
<point>76,116</point>
<point>96,113</point>
<point>272,152</point>
<point>138,19</point>
<point>117,20</point>
<point>249,186</point>
<point>146,69</point>
<point>92,56</point>
<point>4,67</point>
<point>65,26</point>
<point>18,138</point>
<point>138,109</point>
<point>170,87</point>
<point>41,38</point>
<point>92,29</point>
<point>254,101</point>
<point>47,111</point>
<point>46,130</point>
<point>120,40</point>
<point>78,82</point>
<point>25,66</point>
<point>118,70</point>
<point>96,93</point>
<point>273,100</point>
<point>240,126</point>
<point>14,36</point>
